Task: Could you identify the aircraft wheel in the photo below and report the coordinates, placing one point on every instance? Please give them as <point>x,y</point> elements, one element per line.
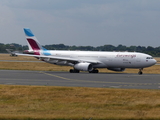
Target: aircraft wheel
<point>73,71</point>
<point>94,71</point>
<point>140,71</point>
<point>76,71</point>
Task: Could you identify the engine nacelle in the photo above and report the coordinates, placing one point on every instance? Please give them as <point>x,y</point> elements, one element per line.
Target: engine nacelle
<point>116,69</point>
<point>83,66</point>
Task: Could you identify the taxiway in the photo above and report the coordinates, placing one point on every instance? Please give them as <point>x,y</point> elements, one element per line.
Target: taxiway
<point>101,80</point>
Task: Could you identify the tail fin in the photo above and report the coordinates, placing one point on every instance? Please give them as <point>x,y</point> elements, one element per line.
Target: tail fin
<point>32,41</point>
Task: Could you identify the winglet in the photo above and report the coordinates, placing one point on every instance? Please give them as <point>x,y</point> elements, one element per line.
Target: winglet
<point>28,32</point>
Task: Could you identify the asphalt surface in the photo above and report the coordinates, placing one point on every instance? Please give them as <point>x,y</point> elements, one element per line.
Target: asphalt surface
<point>100,80</point>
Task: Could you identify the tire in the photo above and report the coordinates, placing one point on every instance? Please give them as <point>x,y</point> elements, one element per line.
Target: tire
<point>94,71</point>
<point>140,72</point>
<point>73,71</point>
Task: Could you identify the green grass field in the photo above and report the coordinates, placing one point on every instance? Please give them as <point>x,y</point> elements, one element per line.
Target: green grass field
<point>74,103</point>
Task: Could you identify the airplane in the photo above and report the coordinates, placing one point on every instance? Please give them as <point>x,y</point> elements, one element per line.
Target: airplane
<point>87,60</point>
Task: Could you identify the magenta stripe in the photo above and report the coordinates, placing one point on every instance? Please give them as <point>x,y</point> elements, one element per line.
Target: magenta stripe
<point>34,46</point>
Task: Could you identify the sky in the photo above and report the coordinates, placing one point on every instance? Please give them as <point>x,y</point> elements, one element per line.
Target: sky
<point>82,22</point>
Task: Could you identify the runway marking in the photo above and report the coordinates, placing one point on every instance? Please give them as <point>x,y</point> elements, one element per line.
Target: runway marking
<point>125,84</point>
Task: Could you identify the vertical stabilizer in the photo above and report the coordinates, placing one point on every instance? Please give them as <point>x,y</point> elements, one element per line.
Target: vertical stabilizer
<point>32,41</point>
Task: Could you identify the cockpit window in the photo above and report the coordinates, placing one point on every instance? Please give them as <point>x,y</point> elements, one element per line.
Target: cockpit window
<point>149,58</point>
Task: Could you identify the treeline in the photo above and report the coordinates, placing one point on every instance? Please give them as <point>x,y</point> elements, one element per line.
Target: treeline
<point>154,51</point>
<point>13,46</point>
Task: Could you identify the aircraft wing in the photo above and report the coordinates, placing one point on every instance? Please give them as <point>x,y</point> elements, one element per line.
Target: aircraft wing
<point>62,58</point>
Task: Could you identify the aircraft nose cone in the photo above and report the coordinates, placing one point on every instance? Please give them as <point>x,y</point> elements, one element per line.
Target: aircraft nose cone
<point>154,61</point>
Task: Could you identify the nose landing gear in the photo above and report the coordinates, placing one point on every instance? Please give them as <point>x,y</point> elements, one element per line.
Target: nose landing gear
<point>140,71</point>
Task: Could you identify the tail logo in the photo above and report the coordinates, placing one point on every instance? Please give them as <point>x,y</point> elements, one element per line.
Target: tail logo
<point>28,32</point>
<point>34,45</point>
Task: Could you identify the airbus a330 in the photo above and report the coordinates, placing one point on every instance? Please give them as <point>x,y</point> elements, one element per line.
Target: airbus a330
<point>87,60</point>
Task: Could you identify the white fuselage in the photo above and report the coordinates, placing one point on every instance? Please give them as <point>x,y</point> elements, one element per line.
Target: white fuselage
<point>87,60</point>
<point>105,59</point>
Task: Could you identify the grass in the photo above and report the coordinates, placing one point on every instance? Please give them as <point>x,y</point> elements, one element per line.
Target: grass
<point>32,102</point>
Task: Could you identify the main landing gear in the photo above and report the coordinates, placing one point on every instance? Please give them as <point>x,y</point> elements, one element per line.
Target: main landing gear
<point>94,71</point>
<point>73,71</point>
<point>140,71</point>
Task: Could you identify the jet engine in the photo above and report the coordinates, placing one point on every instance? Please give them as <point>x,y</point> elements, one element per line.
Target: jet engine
<point>116,69</point>
<point>83,66</point>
